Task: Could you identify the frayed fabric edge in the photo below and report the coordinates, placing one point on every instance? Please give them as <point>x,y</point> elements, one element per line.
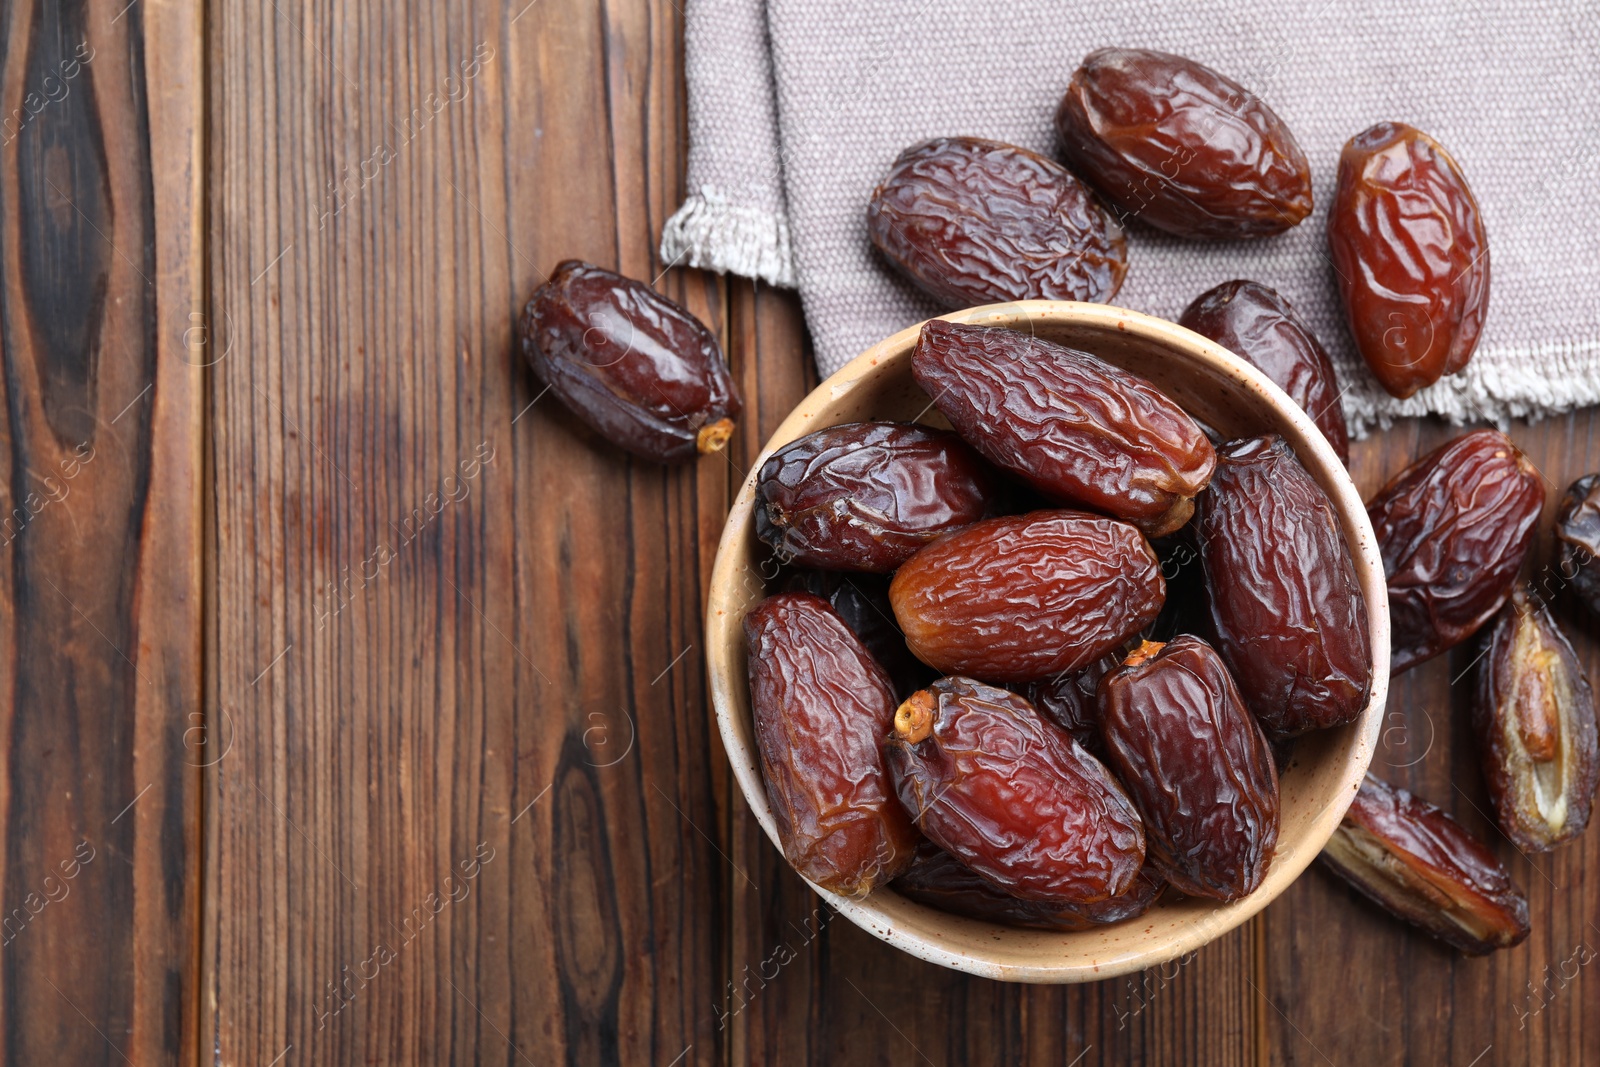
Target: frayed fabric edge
<point>1553,378</point>
<point>711,233</point>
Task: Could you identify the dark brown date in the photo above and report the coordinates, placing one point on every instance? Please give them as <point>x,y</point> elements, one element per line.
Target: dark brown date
<point>941,881</point>
<point>821,707</point>
<point>1286,608</point>
<point>1181,147</point>
<point>1453,528</point>
<point>1074,427</point>
<point>629,362</point>
<point>862,601</point>
<point>1012,796</point>
<point>1024,597</point>
<point>1257,324</point>
<point>1180,738</point>
<point>1068,700</point>
<point>1535,722</point>
<point>1411,256</point>
<point>1578,539</point>
<point>866,496</point>
<point>1422,866</point>
<point>980,222</point>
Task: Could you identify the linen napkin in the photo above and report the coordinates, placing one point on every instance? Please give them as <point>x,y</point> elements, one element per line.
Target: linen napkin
<point>798,107</point>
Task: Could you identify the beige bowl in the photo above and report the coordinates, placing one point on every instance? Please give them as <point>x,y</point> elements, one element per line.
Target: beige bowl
<point>1216,387</point>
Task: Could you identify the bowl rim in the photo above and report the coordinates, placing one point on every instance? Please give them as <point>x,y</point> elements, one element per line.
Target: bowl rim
<point>1219,919</point>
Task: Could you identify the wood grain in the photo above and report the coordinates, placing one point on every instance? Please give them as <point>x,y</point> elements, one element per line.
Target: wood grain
<point>102,341</point>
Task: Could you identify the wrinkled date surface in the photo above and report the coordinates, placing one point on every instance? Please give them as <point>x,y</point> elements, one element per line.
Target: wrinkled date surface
<point>1068,700</point>
<point>1074,427</point>
<point>1453,528</point>
<point>1012,796</point>
<point>1025,597</point>
<point>1181,740</point>
<point>1411,255</point>
<point>1181,147</point>
<point>941,881</point>
<point>1286,608</point>
<point>629,362</point>
<point>1256,323</point>
<point>1578,539</point>
<point>821,708</point>
<point>866,496</point>
<point>862,601</point>
<point>980,222</point>
<point>1535,721</point>
<point>1422,866</point>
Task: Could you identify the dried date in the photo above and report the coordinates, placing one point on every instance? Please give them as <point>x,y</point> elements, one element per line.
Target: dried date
<point>1182,147</point>
<point>1012,796</point>
<point>862,601</point>
<point>1578,539</point>
<point>941,881</point>
<point>1411,255</point>
<point>1422,866</point>
<point>821,707</point>
<point>865,496</point>
<point>1260,326</point>
<point>1179,737</point>
<point>1535,722</point>
<point>1453,528</point>
<point>1073,426</point>
<point>1024,597</point>
<point>629,362</point>
<point>1286,608</point>
<point>1068,700</point>
<point>980,222</point>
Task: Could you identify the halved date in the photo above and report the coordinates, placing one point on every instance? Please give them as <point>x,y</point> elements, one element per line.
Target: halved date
<point>1288,613</point>
<point>1180,738</point>
<point>979,222</point>
<point>941,881</point>
<point>1422,866</point>
<point>1578,539</point>
<point>1535,721</point>
<point>1024,597</point>
<point>1012,796</point>
<point>1260,326</point>
<point>865,496</point>
<point>1453,528</point>
<point>1411,255</point>
<point>1182,147</point>
<point>821,707</point>
<point>1073,426</point>
<point>629,362</point>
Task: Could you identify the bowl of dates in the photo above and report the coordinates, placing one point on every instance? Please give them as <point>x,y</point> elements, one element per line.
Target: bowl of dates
<point>1048,640</point>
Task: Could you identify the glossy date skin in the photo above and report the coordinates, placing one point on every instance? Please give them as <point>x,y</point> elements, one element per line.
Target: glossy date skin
<point>1286,609</point>
<point>941,881</point>
<point>981,222</point>
<point>1181,147</point>
<point>1411,255</point>
<point>1535,722</point>
<point>1420,865</point>
<point>821,707</point>
<point>1578,539</point>
<point>862,601</point>
<point>630,363</point>
<point>1012,796</point>
<point>1453,528</point>
<point>1026,597</point>
<point>1068,699</point>
<point>865,496</point>
<point>1070,425</point>
<point>1254,322</point>
<point>1181,740</point>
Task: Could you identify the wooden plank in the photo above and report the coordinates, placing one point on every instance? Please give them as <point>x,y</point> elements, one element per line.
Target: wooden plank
<point>507,674</point>
<point>102,337</point>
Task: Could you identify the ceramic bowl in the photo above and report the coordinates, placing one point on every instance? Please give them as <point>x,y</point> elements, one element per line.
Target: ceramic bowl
<point>1219,389</point>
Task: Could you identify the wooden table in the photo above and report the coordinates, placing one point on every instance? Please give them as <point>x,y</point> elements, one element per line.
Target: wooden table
<point>355,709</point>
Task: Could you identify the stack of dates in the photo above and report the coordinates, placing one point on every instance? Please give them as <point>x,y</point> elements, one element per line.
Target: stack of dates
<point>1039,759</point>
